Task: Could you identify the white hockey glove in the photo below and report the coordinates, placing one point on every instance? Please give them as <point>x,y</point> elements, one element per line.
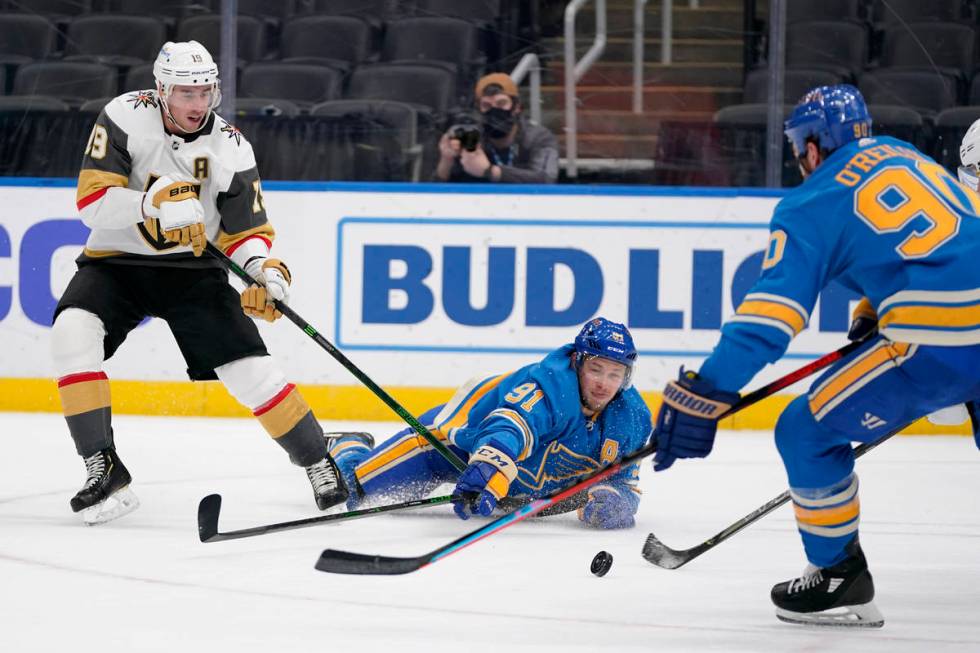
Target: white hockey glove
<point>180,213</point>
<point>275,279</point>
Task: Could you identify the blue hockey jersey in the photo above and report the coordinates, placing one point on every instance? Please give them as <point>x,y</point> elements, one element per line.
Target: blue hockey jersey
<point>883,220</point>
<point>536,411</point>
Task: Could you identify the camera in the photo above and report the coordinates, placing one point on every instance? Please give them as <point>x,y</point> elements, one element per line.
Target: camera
<point>468,135</point>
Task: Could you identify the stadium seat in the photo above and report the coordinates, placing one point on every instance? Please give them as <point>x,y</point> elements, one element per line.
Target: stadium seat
<point>841,48</point>
<point>911,11</point>
<point>429,88</point>
<point>430,39</point>
<point>95,106</point>
<point>974,95</point>
<point>348,44</point>
<point>474,11</point>
<point>73,82</point>
<point>139,78</point>
<point>257,106</point>
<point>923,90</point>
<point>742,144</point>
<point>824,10</point>
<point>21,103</point>
<point>373,12</point>
<point>303,84</point>
<point>950,47</point>
<point>25,38</point>
<point>796,82</point>
<point>381,126</point>
<point>115,40</point>
<point>279,10</point>
<point>50,8</point>
<point>207,31</point>
<point>901,122</point>
<point>170,9</point>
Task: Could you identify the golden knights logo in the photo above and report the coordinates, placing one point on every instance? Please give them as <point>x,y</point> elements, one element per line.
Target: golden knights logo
<point>149,228</point>
<point>142,99</point>
<point>232,132</point>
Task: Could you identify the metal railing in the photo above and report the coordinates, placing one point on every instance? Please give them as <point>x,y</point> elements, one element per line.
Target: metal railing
<point>574,71</point>
<point>530,64</point>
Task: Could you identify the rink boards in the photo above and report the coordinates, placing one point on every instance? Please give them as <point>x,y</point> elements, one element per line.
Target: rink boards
<point>425,286</point>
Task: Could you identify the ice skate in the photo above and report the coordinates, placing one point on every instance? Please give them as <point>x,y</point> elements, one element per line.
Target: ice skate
<point>839,596</point>
<point>329,488</point>
<point>106,494</point>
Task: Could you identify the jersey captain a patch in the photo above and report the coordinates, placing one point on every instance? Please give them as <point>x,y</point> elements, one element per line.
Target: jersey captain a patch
<point>129,149</point>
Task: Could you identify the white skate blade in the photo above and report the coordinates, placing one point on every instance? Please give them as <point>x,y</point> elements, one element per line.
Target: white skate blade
<point>121,502</point>
<point>866,615</point>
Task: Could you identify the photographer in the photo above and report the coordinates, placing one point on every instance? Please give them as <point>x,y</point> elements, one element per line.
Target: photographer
<point>504,148</point>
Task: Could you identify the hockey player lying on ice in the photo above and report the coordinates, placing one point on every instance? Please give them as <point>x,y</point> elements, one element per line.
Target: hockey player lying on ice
<point>891,224</point>
<point>525,434</point>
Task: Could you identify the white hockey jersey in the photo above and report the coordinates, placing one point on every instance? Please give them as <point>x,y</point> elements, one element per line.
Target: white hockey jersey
<point>129,149</point>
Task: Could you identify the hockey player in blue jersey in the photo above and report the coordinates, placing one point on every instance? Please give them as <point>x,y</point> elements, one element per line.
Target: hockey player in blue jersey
<point>524,434</point>
<point>890,223</point>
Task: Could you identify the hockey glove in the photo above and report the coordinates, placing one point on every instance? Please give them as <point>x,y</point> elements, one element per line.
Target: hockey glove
<point>257,301</point>
<point>607,508</point>
<point>180,213</point>
<point>864,322</point>
<point>688,419</point>
<point>485,481</point>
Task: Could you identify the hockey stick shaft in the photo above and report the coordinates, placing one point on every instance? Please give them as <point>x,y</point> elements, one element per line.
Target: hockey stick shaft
<point>209,510</point>
<point>656,552</point>
<point>339,356</point>
<point>347,562</point>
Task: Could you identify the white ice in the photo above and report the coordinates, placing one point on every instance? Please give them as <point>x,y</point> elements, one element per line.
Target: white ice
<point>145,582</point>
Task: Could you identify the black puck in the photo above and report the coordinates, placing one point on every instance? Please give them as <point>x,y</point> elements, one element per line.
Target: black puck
<point>601,563</point>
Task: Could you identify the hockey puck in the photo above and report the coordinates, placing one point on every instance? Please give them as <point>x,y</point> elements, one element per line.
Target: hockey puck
<point>601,564</point>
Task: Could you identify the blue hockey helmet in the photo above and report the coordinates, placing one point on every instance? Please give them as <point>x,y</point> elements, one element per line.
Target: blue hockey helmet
<point>832,115</point>
<point>606,339</point>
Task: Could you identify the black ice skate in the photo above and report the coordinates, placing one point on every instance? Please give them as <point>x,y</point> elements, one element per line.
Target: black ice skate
<point>106,494</point>
<point>836,596</point>
<point>329,488</point>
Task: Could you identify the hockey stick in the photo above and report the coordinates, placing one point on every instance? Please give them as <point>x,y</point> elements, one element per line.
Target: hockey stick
<point>343,360</point>
<point>210,507</point>
<point>347,562</point>
<point>658,553</point>
<point>209,510</point>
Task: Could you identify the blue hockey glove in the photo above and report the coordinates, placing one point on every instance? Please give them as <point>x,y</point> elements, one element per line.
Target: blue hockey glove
<point>864,322</point>
<point>688,419</point>
<point>485,481</point>
<point>607,508</point>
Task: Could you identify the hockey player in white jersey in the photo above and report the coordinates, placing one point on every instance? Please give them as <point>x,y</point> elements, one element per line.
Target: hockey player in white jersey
<point>163,175</point>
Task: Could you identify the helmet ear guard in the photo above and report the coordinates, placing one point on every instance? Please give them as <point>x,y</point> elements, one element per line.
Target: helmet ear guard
<point>969,170</point>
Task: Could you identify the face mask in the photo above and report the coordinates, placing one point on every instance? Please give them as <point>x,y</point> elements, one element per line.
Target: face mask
<point>497,122</point>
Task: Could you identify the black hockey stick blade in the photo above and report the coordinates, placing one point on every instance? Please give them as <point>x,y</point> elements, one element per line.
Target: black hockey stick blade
<point>209,510</point>
<point>207,517</point>
<point>348,562</point>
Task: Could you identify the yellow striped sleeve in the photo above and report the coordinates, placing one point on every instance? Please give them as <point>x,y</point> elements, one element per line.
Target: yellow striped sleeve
<point>772,310</point>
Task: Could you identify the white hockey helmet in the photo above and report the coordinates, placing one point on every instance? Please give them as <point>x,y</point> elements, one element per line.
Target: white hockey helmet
<point>185,63</point>
<point>969,170</point>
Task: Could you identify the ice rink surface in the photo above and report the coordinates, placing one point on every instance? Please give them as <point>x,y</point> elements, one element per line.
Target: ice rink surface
<point>145,582</point>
